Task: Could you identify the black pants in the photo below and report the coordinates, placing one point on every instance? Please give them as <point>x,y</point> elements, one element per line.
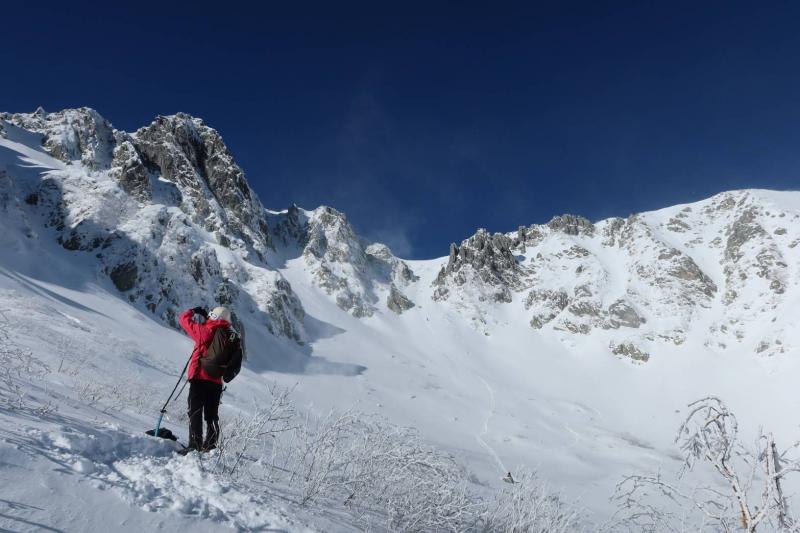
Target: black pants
<point>204,399</point>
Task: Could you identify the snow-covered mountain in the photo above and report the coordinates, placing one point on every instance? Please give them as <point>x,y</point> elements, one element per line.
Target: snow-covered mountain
<point>169,200</point>
<point>525,347</point>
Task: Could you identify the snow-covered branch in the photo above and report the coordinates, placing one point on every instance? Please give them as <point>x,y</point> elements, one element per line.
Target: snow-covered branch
<point>709,436</point>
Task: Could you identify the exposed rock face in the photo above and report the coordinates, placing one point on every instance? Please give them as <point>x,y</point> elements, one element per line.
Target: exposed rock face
<point>291,228</point>
<point>124,276</point>
<point>129,170</point>
<point>382,261</point>
<point>746,234</point>
<point>547,304</point>
<point>73,135</point>
<point>354,273</point>
<point>176,180</point>
<point>487,258</point>
<point>527,236</point>
<point>338,261</point>
<point>397,301</point>
<point>631,351</point>
<point>193,156</point>
<point>743,230</point>
<point>571,225</point>
<point>664,282</point>
<point>567,281</point>
<point>330,236</point>
<point>755,267</point>
<point>285,311</point>
<point>208,184</point>
<point>623,315</point>
<point>612,230</point>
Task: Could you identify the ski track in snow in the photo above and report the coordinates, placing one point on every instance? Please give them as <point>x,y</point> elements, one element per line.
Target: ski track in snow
<point>575,435</point>
<point>489,416</point>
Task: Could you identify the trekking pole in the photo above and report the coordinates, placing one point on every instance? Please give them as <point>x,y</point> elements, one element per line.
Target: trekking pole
<point>164,409</point>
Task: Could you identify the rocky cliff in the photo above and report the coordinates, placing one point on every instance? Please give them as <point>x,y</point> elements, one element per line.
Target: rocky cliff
<point>165,211</point>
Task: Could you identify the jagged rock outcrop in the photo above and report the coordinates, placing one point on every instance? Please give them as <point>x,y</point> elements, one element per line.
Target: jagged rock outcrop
<point>527,236</point>
<point>622,315</point>
<point>185,151</point>
<point>649,276</point>
<point>290,228</point>
<point>129,170</point>
<point>72,135</point>
<point>338,261</point>
<point>397,301</point>
<point>547,304</point>
<point>631,351</point>
<point>565,279</point>
<point>388,267</point>
<point>664,282</point>
<point>176,182</point>
<point>766,261</point>
<point>356,274</point>
<point>485,258</point>
<point>571,225</point>
<point>285,312</point>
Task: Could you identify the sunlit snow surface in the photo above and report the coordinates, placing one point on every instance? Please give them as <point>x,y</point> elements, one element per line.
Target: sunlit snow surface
<point>499,396</point>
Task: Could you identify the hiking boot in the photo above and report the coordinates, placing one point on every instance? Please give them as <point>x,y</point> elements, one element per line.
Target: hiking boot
<point>212,432</point>
<point>187,450</point>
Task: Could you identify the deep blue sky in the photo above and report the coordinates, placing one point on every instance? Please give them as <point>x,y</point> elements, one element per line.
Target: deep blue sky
<point>423,123</point>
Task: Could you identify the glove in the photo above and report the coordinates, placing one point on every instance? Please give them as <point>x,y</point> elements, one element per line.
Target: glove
<point>200,311</point>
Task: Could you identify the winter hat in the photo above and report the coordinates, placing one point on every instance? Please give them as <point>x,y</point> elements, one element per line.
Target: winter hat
<point>222,313</point>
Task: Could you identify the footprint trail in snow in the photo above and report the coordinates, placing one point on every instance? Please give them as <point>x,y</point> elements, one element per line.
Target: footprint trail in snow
<point>483,433</point>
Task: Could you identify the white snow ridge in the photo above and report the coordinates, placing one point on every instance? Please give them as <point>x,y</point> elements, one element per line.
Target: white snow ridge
<point>379,393</point>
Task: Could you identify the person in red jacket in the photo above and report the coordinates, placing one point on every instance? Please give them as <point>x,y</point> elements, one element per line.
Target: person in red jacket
<point>205,391</point>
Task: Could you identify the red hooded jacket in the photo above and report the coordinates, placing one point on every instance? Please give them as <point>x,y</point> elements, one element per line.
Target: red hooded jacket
<point>202,334</point>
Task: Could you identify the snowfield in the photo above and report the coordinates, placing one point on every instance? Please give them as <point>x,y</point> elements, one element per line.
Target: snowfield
<point>571,349</point>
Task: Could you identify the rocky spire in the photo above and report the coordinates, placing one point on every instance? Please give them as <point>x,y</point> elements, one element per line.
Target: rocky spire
<point>485,256</point>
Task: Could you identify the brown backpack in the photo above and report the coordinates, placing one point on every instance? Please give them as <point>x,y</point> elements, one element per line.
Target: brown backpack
<point>223,358</point>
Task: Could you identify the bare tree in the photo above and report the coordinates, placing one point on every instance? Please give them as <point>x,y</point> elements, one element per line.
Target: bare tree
<point>752,497</point>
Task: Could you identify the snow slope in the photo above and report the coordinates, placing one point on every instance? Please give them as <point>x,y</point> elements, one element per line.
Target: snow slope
<point>73,453</point>
<point>569,347</point>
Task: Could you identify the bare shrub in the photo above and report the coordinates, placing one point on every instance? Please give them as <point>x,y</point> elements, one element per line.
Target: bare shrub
<point>418,487</point>
<point>529,506</point>
<point>378,472</point>
<point>18,369</point>
<point>245,439</point>
<point>321,454</point>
